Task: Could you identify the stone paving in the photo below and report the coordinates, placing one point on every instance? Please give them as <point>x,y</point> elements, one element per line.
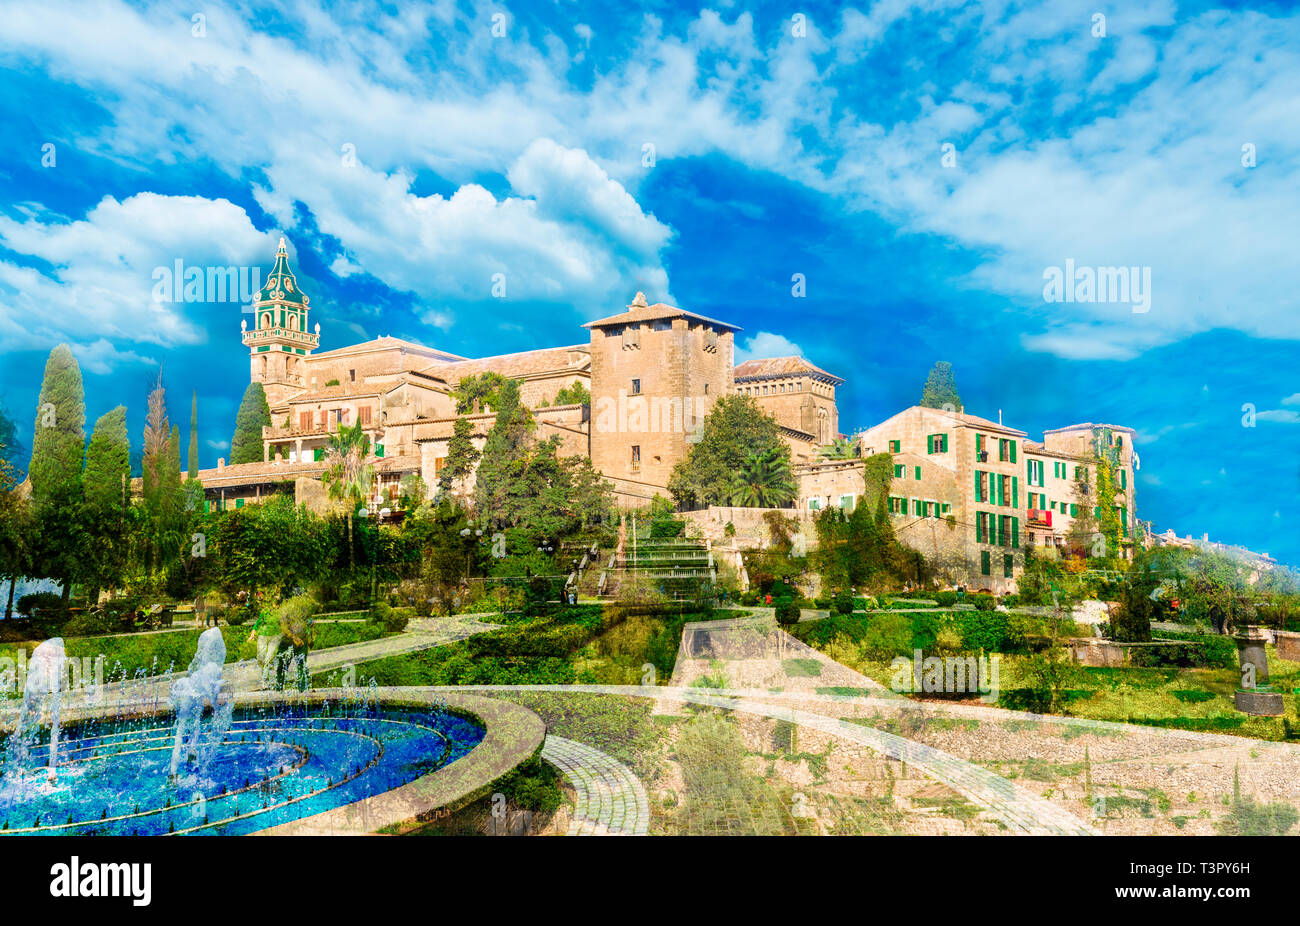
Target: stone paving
<point>611,801</point>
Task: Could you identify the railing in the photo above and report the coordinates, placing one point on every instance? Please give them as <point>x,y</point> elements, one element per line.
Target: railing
<point>258,335</point>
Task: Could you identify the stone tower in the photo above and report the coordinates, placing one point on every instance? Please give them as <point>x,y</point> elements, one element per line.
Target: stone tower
<point>656,370</point>
<point>279,341</point>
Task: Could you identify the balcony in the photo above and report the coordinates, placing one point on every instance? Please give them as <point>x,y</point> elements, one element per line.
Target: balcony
<point>261,336</point>
<point>1040,517</point>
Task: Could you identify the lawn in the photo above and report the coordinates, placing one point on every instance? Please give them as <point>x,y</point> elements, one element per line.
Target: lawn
<point>1185,698</point>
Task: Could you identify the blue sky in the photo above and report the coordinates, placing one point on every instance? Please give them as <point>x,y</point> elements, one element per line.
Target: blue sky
<point>410,152</point>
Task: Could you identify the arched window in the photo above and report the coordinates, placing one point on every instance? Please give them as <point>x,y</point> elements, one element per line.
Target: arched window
<point>266,320</point>
<point>293,321</point>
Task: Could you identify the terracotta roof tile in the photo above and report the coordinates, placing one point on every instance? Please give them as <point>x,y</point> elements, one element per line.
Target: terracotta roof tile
<point>781,366</point>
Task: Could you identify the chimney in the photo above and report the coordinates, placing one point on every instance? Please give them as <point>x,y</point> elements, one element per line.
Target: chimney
<point>999,416</point>
<point>221,462</point>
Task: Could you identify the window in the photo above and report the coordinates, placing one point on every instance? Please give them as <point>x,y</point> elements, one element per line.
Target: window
<point>363,414</point>
<point>352,376</point>
<point>981,486</point>
<point>814,504</point>
<point>986,567</point>
<point>846,502</point>
<point>706,388</point>
<point>636,454</point>
<point>1007,562</point>
<point>981,454</point>
<point>981,526</point>
<point>895,446</point>
<point>379,450</point>
<point>898,470</point>
<point>936,443</point>
<point>1007,450</point>
<point>304,421</point>
<point>1074,510</point>
<point>918,471</point>
<point>636,387</point>
<point>239,503</point>
<point>1035,473</point>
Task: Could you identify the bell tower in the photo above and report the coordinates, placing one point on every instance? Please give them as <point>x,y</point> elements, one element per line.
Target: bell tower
<point>279,342</point>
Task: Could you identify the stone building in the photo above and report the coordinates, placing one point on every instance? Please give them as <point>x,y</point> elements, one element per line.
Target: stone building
<point>967,492</point>
<point>653,372</point>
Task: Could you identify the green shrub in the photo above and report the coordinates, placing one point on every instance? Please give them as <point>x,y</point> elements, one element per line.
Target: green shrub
<point>887,636</point>
<point>983,630</point>
<point>983,601</point>
<point>945,599</point>
<point>391,619</point>
<point>749,598</point>
<point>787,611</point>
<point>34,602</point>
<point>842,603</point>
<point>86,625</point>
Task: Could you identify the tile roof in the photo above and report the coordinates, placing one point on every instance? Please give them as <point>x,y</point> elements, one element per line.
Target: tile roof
<point>388,343</point>
<point>514,366</point>
<point>781,366</point>
<point>638,311</point>
<point>1088,426</point>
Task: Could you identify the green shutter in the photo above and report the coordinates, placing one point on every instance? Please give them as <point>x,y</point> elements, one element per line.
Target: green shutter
<point>985,567</point>
<point>1007,562</point>
<point>1013,451</point>
<point>1074,510</point>
<point>1015,491</point>
<point>918,472</point>
<point>977,486</point>
<point>1015,533</point>
<point>929,443</point>
<point>379,450</point>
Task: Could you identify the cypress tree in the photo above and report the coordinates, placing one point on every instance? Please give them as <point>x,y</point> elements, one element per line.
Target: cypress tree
<point>461,456</point>
<point>58,452</point>
<point>59,444</point>
<point>505,457</point>
<point>106,483</point>
<point>192,470</point>
<point>254,414</point>
<point>941,388</point>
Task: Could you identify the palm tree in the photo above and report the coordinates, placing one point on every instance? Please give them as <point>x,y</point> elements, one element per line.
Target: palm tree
<point>348,476</point>
<point>763,481</point>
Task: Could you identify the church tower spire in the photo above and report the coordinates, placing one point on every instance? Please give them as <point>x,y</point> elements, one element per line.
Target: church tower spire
<point>280,340</point>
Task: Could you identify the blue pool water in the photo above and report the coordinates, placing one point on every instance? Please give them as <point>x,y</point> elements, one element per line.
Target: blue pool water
<point>270,768</point>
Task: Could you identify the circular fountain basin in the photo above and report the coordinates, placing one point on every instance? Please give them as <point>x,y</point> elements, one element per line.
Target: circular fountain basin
<point>288,763</point>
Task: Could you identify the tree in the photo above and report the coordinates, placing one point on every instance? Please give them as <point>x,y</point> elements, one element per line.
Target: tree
<point>254,414</point>
<point>106,483</point>
<point>348,476</point>
<point>503,467</point>
<point>411,492</point>
<point>764,481</point>
<point>735,430</point>
<point>842,448</point>
<point>941,388</point>
<point>573,394</point>
<point>474,392</point>
<point>272,545</point>
<point>58,452</point>
<point>193,488</point>
<point>462,456</point>
<point>15,512</point>
<point>192,465</point>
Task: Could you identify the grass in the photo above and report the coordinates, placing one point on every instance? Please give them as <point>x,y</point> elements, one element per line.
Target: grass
<point>1198,699</point>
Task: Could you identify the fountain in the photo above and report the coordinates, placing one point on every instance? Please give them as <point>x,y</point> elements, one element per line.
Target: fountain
<point>44,677</point>
<point>216,761</point>
<point>201,686</point>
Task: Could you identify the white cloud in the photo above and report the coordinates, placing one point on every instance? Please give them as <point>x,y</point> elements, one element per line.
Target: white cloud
<point>1279,416</point>
<point>1143,168</point>
<point>102,358</point>
<point>96,275</point>
<point>766,344</point>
